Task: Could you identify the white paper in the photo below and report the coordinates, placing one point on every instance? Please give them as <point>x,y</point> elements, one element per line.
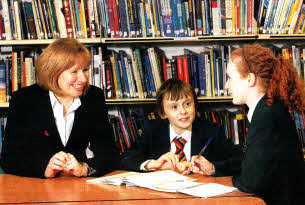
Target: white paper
<point>208,190</point>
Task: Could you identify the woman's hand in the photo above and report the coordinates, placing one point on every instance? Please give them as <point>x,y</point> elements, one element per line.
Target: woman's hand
<point>57,163</point>
<point>74,168</point>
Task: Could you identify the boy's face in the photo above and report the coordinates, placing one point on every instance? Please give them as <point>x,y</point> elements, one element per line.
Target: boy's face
<point>180,113</point>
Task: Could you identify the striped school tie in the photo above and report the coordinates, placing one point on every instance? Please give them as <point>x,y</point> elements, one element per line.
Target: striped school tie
<point>180,142</point>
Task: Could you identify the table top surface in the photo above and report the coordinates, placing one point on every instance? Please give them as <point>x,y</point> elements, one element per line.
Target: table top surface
<point>72,190</point>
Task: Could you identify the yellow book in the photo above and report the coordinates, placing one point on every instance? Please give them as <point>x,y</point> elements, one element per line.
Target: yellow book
<point>83,16</point>
<point>233,17</point>
<point>212,72</point>
<point>292,10</point>
<point>115,82</point>
<point>157,32</point>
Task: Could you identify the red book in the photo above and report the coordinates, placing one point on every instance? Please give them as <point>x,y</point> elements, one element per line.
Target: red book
<point>186,77</point>
<point>131,130</point>
<point>68,18</point>
<point>164,66</point>
<point>249,16</point>
<point>24,83</point>
<point>237,17</point>
<point>180,68</point>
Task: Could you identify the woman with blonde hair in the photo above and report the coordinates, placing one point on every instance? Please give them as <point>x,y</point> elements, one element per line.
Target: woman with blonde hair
<point>52,125</point>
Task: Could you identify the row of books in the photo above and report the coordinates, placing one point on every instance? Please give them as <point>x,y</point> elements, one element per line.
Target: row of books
<point>127,124</point>
<point>233,119</point>
<point>139,72</point>
<point>50,19</point>
<point>281,17</point>
<point>17,69</point>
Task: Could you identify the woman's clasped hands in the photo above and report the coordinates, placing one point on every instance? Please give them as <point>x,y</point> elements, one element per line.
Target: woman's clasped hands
<point>66,163</point>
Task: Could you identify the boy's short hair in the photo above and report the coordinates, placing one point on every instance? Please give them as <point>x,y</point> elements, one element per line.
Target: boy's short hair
<point>58,57</point>
<point>173,89</point>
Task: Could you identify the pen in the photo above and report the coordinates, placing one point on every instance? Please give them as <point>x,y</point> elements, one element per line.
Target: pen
<point>201,151</point>
<point>204,148</point>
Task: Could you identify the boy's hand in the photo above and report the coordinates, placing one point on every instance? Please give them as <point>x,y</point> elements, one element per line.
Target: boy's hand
<point>165,162</point>
<point>183,166</point>
<point>202,166</point>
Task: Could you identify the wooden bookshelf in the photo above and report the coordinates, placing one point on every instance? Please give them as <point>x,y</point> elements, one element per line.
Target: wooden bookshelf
<point>118,101</point>
<point>4,105</point>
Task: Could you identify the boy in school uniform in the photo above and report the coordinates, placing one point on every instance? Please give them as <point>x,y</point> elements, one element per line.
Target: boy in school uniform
<point>170,142</point>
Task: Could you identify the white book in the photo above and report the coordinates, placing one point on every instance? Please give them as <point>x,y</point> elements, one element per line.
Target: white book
<point>60,18</point>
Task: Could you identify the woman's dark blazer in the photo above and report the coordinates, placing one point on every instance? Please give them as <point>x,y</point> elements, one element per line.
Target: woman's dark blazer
<point>155,142</point>
<point>273,167</point>
<point>31,136</point>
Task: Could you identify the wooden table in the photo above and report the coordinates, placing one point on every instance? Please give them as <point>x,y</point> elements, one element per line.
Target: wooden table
<point>72,191</point>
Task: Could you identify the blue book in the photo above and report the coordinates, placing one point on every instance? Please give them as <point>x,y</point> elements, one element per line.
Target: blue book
<point>150,75</point>
<point>175,17</point>
<point>124,74</point>
<point>179,17</point>
<point>195,73</point>
<point>207,17</point>
<point>117,73</point>
<point>147,21</point>
<point>201,74</point>
<point>78,28</point>
<point>123,19</point>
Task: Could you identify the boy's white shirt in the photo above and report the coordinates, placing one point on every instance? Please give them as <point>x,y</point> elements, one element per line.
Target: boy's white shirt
<point>187,135</point>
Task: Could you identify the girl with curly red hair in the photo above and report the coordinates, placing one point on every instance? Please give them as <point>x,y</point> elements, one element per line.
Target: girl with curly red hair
<point>273,167</point>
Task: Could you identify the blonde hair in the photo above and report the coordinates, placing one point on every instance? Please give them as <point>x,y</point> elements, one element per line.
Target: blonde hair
<point>58,57</point>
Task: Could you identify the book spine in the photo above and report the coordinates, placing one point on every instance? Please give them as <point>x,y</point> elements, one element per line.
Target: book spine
<point>2,83</point>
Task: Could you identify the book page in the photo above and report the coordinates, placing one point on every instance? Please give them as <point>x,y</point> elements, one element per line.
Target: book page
<point>207,190</point>
<point>116,179</point>
<point>151,179</point>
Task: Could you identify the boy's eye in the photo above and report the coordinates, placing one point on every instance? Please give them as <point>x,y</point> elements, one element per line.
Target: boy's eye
<point>174,107</point>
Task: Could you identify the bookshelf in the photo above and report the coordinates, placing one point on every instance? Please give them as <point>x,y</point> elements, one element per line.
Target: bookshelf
<point>245,17</point>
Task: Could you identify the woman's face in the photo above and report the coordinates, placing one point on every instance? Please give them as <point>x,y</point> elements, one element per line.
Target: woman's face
<point>72,81</point>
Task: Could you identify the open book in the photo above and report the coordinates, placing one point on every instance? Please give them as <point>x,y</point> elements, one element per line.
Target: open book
<point>166,181</point>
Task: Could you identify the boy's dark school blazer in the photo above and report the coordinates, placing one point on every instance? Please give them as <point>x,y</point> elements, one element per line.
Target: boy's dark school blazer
<point>273,167</point>
<point>32,138</point>
<point>155,142</point>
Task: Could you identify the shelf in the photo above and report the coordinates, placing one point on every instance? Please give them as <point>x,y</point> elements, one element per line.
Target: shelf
<point>227,37</point>
<point>129,101</point>
<point>44,41</point>
<point>4,105</point>
<point>250,37</point>
<point>281,36</point>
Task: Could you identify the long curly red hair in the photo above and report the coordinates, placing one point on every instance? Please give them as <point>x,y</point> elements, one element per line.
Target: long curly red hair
<point>278,76</point>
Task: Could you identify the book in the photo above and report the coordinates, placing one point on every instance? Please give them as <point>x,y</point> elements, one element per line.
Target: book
<point>2,82</point>
<point>165,181</point>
